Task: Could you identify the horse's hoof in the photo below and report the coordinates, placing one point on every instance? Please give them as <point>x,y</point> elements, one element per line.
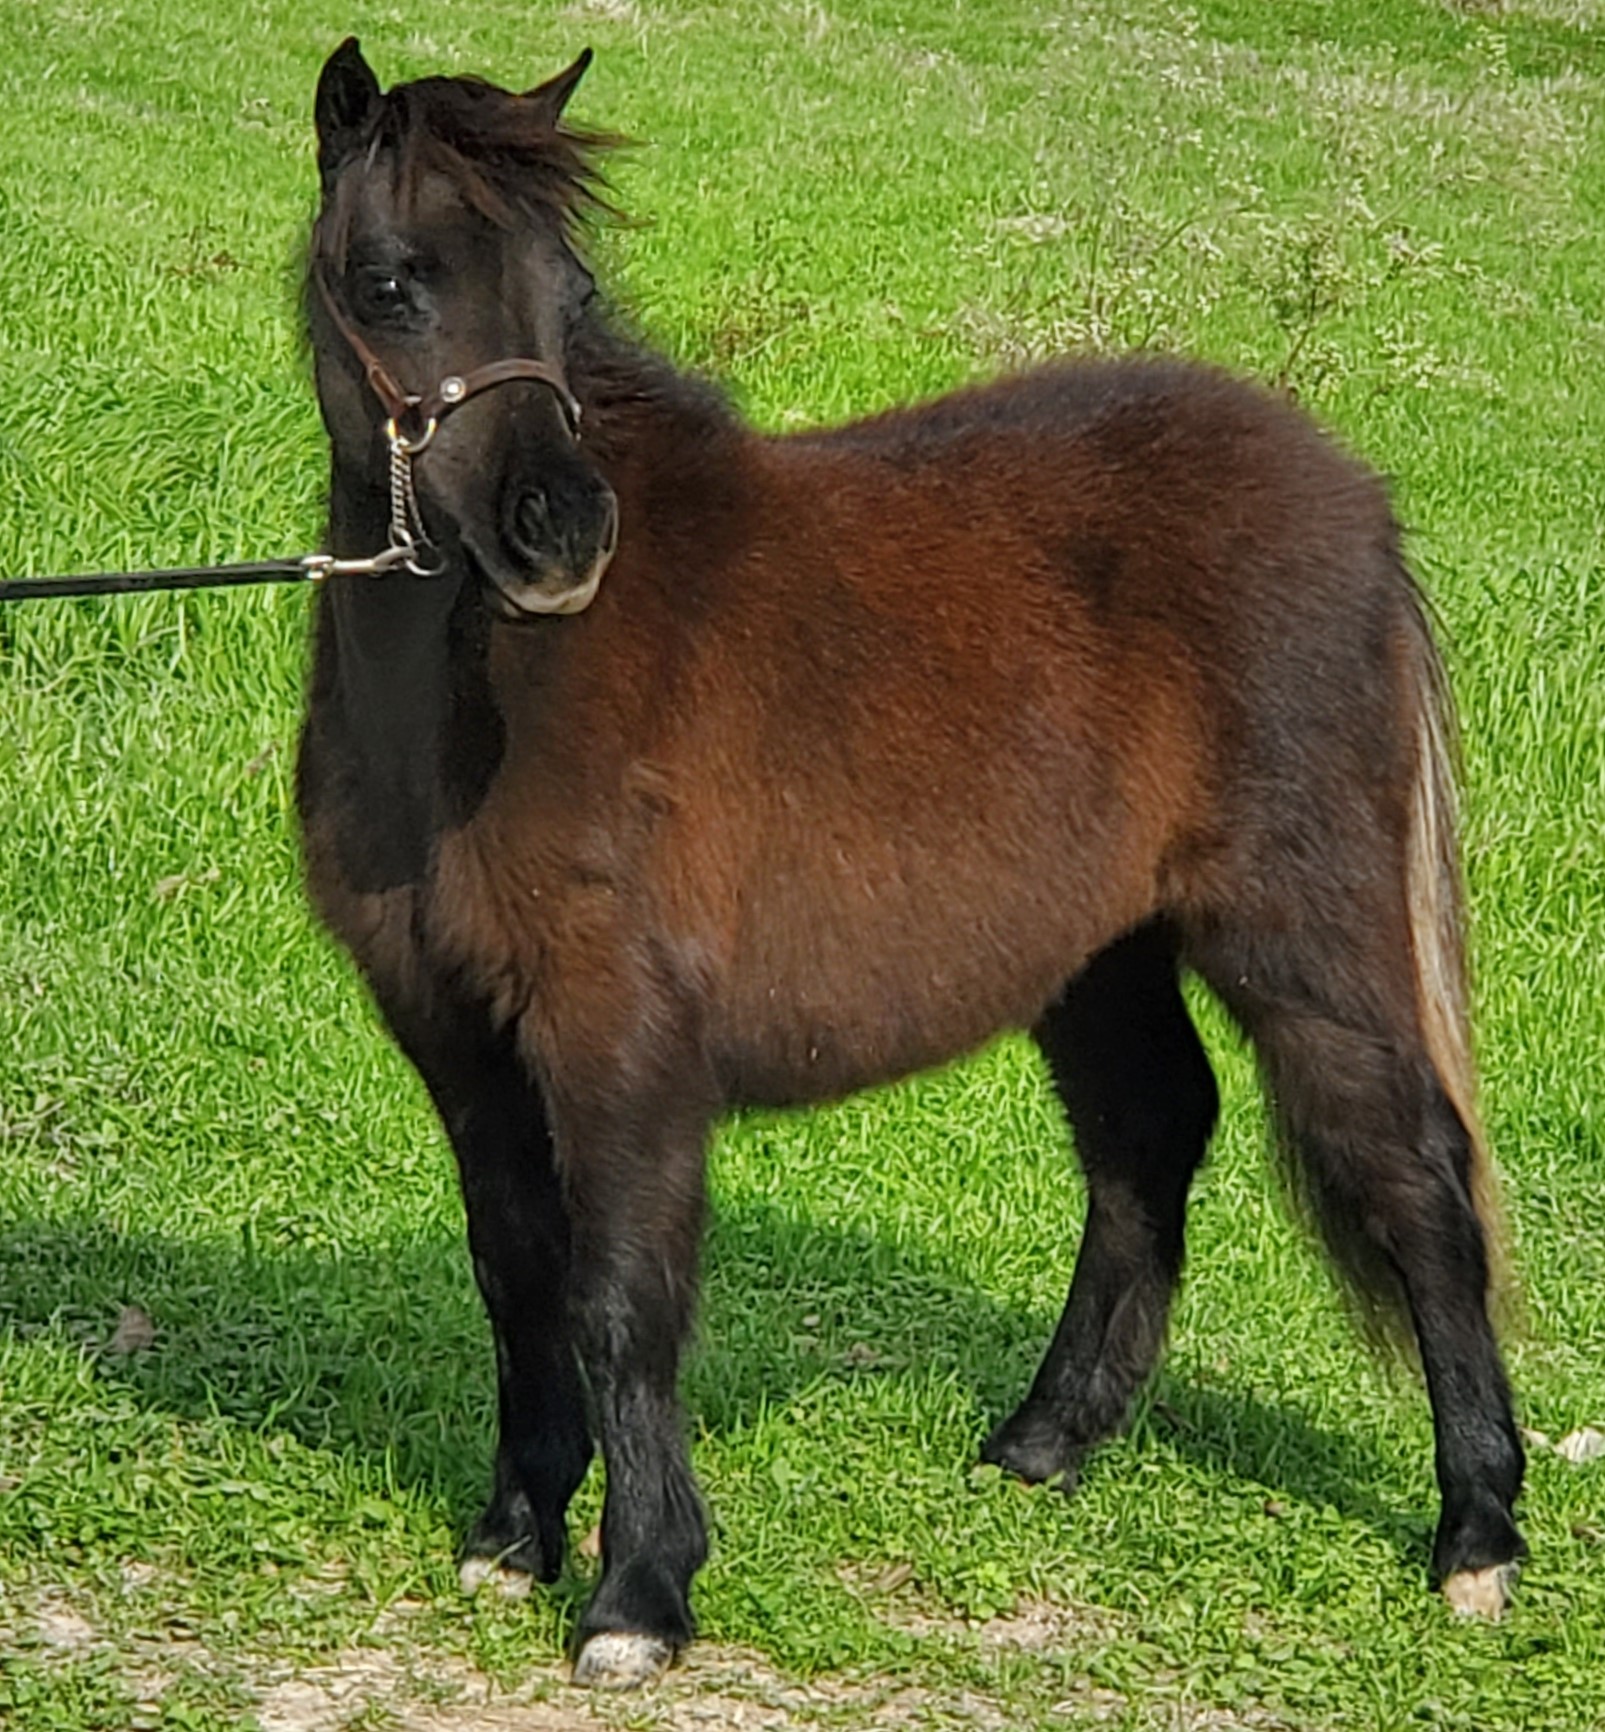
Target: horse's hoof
<point>1031,1446</point>
<point>1481,1593</point>
<point>621,1660</point>
<point>507,1583</point>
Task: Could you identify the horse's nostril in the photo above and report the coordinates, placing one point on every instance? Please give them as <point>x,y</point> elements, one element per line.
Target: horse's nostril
<point>532,521</point>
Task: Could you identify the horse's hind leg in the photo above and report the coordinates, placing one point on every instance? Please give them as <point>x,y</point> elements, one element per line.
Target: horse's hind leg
<point>1388,1167</point>
<point>1141,1099</point>
<point>518,1235</point>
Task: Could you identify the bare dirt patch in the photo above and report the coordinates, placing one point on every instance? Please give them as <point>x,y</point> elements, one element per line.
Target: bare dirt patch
<point>713,1688</point>
<point>393,1685</point>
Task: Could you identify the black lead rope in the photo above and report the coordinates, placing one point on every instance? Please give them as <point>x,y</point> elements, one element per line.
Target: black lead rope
<point>417,556</point>
<point>182,577</point>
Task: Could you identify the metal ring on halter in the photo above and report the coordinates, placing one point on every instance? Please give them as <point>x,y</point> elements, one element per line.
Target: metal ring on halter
<point>410,447</point>
<point>426,549</point>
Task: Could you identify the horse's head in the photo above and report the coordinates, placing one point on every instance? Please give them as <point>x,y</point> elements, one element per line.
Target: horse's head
<point>445,291</point>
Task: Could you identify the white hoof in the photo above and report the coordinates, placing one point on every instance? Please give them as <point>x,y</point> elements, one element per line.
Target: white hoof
<point>620,1660</point>
<point>476,1573</point>
<point>1481,1593</point>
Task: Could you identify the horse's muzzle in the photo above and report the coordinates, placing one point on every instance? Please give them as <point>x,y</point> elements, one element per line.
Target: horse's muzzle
<point>553,550</point>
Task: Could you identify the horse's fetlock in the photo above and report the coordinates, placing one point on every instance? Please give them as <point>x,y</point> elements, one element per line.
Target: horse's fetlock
<point>1474,1538</point>
<point>642,1596</point>
<point>511,1537</point>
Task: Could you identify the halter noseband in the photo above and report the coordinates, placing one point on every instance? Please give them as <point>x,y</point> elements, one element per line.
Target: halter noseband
<point>409,543</point>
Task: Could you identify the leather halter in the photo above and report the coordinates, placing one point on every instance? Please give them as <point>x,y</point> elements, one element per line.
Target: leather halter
<point>452,391</point>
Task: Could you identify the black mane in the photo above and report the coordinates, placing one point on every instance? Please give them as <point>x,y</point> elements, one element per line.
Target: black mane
<point>499,149</point>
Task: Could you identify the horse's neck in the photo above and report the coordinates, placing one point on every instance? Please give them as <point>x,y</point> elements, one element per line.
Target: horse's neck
<point>403,667</point>
<point>638,402</point>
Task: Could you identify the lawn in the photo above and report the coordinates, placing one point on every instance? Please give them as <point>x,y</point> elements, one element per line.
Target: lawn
<point>246,1392</point>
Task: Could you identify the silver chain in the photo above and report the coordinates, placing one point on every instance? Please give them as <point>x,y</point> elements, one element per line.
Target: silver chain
<point>406,519</point>
<point>409,540</point>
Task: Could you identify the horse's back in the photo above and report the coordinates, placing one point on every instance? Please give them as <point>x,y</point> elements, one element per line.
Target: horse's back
<point>1149,535</point>
<point>1179,467</point>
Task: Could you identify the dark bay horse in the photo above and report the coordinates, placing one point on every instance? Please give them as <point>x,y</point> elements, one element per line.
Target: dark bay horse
<point>670,766</point>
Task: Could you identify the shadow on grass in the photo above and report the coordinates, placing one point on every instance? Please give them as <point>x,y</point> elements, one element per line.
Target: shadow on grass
<point>387,1354</point>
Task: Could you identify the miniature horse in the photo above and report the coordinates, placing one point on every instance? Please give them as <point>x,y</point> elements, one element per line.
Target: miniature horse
<point>676,766</point>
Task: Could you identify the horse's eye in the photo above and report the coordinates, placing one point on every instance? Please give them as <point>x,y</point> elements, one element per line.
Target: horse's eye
<point>379,294</point>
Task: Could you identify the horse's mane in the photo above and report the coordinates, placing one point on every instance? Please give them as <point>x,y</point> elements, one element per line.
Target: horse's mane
<point>498,149</point>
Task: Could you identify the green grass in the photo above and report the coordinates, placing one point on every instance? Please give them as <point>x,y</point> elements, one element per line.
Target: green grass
<point>1394,207</point>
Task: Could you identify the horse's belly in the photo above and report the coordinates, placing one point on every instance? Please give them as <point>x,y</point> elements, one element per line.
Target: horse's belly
<point>833,997</point>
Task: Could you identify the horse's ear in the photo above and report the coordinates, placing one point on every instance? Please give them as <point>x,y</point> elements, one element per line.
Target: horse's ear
<point>348,92</point>
<point>551,98</point>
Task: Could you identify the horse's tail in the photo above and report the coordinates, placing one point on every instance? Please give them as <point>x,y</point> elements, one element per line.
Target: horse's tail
<point>1436,894</point>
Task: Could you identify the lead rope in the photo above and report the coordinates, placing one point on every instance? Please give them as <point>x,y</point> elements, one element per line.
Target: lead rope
<point>410,548</point>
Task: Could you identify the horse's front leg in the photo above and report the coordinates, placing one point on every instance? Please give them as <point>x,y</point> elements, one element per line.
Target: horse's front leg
<point>518,1233</point>
<point>631,1155</point>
